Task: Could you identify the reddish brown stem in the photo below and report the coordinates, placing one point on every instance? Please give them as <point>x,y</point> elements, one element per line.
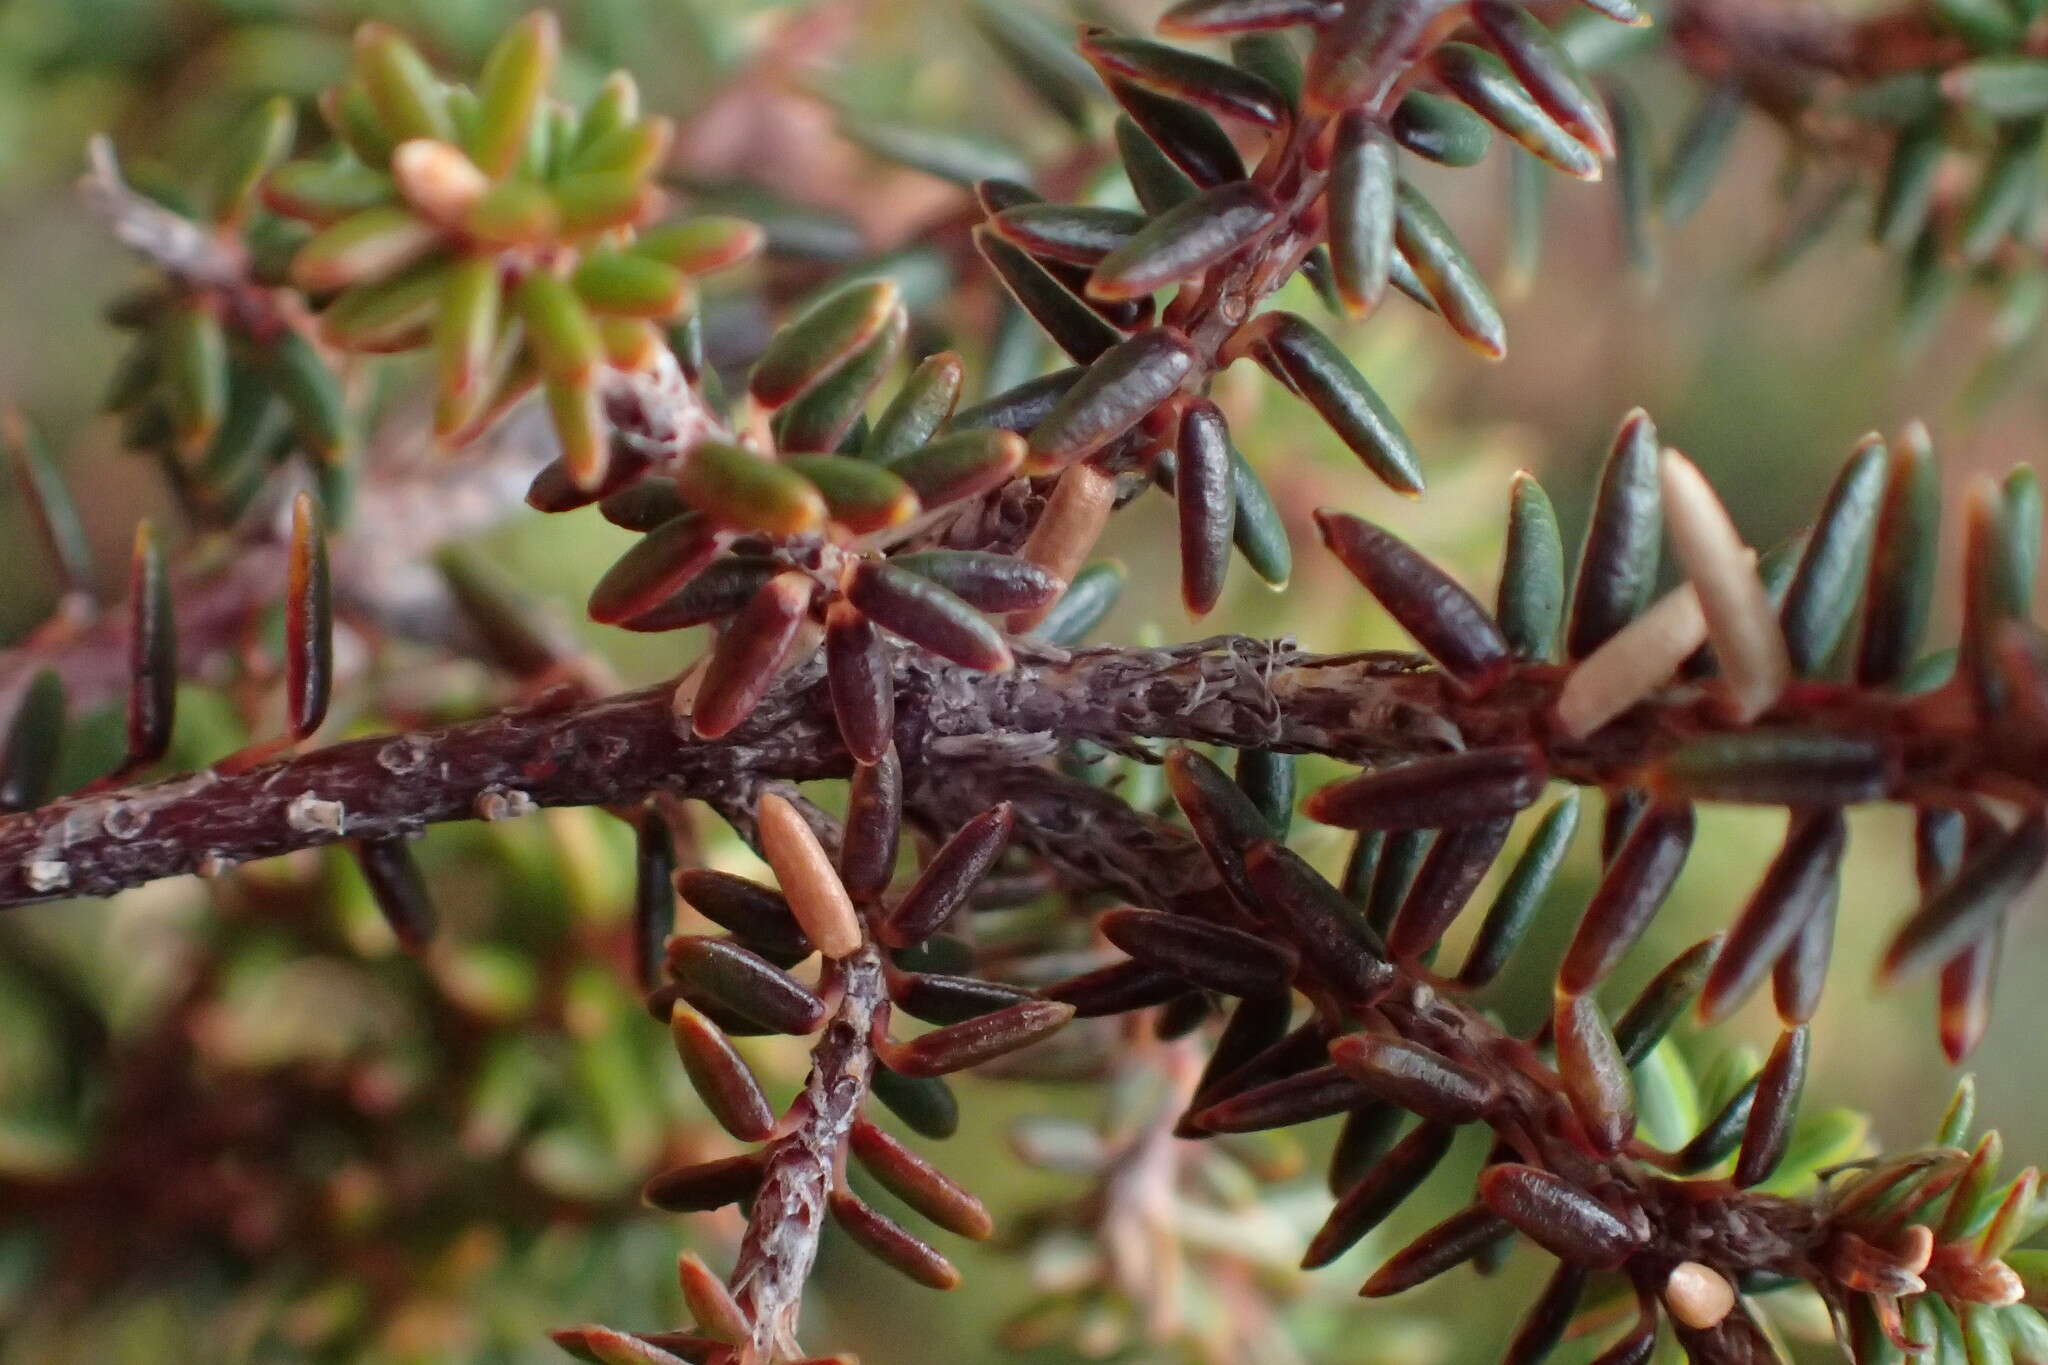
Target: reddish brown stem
<point>781,1240</point>
<point>1234,691</point>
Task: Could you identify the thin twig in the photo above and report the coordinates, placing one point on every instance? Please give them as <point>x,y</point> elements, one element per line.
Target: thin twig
<point>1365,708</point>
<point>781,1241</point>
<point>171,241</point>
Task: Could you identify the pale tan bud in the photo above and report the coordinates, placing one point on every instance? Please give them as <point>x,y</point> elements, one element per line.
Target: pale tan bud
<point>1698,1295</point>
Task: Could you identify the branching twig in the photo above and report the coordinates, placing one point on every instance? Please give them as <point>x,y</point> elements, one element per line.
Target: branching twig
<point>171,241</point>
<point>382,575</point>
<point>788,1215</point>
<point>1365,708</point>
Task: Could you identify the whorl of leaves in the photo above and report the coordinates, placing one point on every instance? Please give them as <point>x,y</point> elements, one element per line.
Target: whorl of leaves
<point>504,231</point>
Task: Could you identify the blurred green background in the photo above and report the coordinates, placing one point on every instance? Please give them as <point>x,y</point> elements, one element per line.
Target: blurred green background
<point>1766,382</point>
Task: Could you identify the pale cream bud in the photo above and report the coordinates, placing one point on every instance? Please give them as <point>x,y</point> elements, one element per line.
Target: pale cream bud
<point>1698,1295</point>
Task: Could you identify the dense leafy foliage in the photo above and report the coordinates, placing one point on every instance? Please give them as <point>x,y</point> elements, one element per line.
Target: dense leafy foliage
<point>1018,874</point>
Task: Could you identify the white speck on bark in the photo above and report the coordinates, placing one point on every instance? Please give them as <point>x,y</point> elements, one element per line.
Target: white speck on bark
<point>310,813</point>
<point>47,874</point>
<point>504,803</point>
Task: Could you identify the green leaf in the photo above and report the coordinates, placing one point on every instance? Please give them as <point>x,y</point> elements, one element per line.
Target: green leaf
<point>1362,197</point>
<point>28,760</point>
<point>1821,599</point>
<point>1155,179</point>
<point>1124,384</point>
<point>195,373</point>
<point>630,284</point>
<point>1258,530</point>
<point>1702,146</point>
<point>701,245</point>
<point>1986,25</point>
<point>1514,907</point>
<point>1074,327</point>
<point>749,492</point>
<point>1899,591</point>
<point>918,410</point>
<point>1311,365</point>
<point>55,512</point>
<point>820,420</point>
<point>1271,58</point>
<point>465,336</point>
<point>372,245</point>
<point>1907,195</point>
<point>823,338</point>
<point>1040,55</point>
<point>559,328</point>
<point>255,145</point>
<point>1447,273</point>
<point>515,80</point>
<point>1667,1102</point>
<point>2010,187</point>
<point>1439,129</point>
<point>949,155</point>
<point>1634,191</point>
<point>1184,241</point>
<point>1087,600</point>
<point>405,92</point>
<point>1829,1138</point>
<point>858,495</point>
<point>1530,607</point>
<point>1484,82</point>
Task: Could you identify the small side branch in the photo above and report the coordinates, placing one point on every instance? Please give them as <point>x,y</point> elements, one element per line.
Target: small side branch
<point>1066,821</point>
<point>404,513</point>
<point>168,240</point>
<point>788,1216</point>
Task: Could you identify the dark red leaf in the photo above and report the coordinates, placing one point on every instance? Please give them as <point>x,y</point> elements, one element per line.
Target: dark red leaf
<point>1333,936</point>
<point>1313,1094</point>
<point>750,653</point>
<point>974,1041</point>
<point>1446,1246</point>
<point>1212,956</point>
<point>1456,864</point>
<point>706,1185</point>
<point>1446,620</point>
<point>1801,881</point>
<point>943,886</point>
<point>862,681</point>
<point>874,818</point>
<point>1775,1109</point>
<point>1629,895</point>
<point>1419,1080</point>
<point>1430,793</point>
<point>1559,1217</point>
<point>1381,1190</point>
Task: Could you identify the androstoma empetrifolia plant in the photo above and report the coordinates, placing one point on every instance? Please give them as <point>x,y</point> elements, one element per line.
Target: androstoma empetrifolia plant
<point>849,564</point>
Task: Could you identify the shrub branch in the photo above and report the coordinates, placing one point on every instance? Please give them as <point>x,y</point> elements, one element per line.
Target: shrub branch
<point>1366,708</point>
